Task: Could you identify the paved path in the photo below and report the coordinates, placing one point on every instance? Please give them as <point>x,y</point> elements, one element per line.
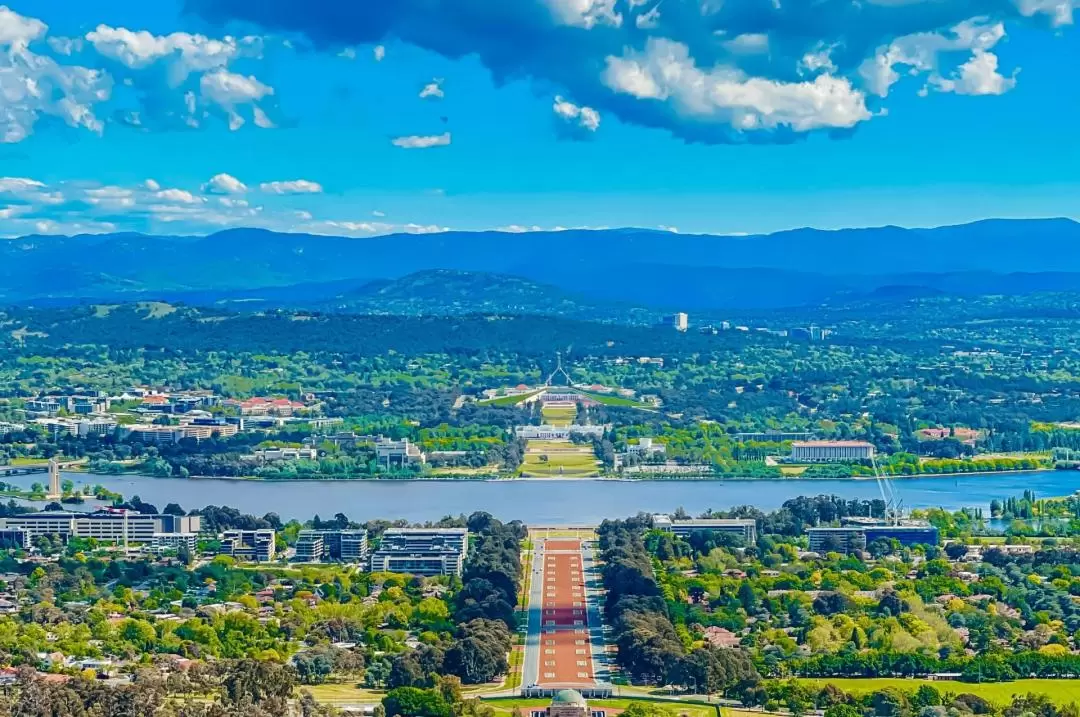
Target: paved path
<point>564,643</point>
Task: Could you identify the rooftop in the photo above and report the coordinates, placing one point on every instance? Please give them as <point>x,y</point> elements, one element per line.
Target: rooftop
<point>568,697</point>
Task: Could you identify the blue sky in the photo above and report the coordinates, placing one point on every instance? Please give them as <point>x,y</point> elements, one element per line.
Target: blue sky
<point>743,116</point>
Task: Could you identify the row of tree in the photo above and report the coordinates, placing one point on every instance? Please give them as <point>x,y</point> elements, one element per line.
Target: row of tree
<point>649,647</point>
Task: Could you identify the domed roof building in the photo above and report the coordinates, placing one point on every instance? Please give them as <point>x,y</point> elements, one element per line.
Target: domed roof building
<point>568,703</point>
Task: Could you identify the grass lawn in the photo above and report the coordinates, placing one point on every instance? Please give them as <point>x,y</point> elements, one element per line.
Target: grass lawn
<point>610,400</point>
<point>554,459</point>
<point>517,659</point>
<point>789,470</point>
<point>1060,691</point>
<point>558,415</point>
<point>24,461</point>
<point>345,692</point>
<point>580,533</point>
<point>507,400</point>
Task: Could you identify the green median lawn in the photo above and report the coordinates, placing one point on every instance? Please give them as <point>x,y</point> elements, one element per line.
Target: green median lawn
<point>1000,693</point>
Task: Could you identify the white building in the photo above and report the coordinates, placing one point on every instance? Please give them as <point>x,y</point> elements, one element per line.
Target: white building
<point>285,454</point>
<point>557,433</point>
<point>830,451</point>
<point>389,452</point>
<point>109,526</point>
<point>680,321</point>
<point>645,447</point>
<point>745,528</point>
<point>162,542</point>
<point>257,546</point>
<point>422,551</point>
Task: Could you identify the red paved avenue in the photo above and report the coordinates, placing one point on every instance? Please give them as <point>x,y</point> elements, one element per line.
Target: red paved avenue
<point>565,652</point>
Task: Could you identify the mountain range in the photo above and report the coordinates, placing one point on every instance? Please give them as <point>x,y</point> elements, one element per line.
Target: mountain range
<point>551,272</point>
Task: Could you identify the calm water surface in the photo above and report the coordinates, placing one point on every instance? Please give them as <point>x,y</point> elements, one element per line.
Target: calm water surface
<point>553,502</point>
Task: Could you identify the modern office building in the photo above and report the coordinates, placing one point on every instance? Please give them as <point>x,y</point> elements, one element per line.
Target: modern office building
<point>840,540</point>
<point>422,551</point>
<point>389,452</point>
<point>857,537</point>
<point>162,542</point>
<point>903,534</point>
<point>680,322</point>
<point>774,436</point>
<point>830,451</point>
<point>350,546</point>
<point>257,546</point>
<point>745,528</point>
<point>14,539</point>
<point>114,526</point>
<point>310,546</point>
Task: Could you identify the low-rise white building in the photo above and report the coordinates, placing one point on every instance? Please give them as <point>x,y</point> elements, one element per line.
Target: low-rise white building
<point>389,452</point>
<point>830,451</point>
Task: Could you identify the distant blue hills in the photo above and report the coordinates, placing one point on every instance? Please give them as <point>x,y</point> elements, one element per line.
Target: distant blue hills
<point>577,271</point>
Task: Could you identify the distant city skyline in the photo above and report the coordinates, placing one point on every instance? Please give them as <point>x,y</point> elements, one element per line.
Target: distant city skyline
<point>742,117</point>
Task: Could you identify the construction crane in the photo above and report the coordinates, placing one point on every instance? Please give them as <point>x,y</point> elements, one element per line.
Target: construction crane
<point>889,495</point>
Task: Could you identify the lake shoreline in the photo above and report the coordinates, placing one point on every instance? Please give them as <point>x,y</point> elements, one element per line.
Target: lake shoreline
<point>584,479</point>
<point>550,502</point>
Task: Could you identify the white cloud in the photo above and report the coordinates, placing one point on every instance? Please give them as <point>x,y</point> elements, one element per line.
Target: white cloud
<point>1060,11</point>
<point>65,45</point>
<point>585,13</point>
<point>920,52</point>
<point>666,73</point>
<point>648,20</point>
<point>585,117</point>
<point>378,52</point>
<point>229,90</point>
<point>261,119</point>
<point>232,202</point>
<point>18,185</point>
<point>302,215</point>
<point>224,184</point>
<point>151,185</point>
<point>365,229</point>
<point>178,195</point>
<point>296,186</point>
<point>819,60</point>
<point>977,76</point>
<point>424,228</point>
<point>349,53</point>
<point>184,52</point>
<point>422,141</point>
<point>18,30</point>
<point>32,85</point>
<point>751,43</point>
<point>110,196</point>
<point>49,226</point>
<point>377,213</point>
<point>433,89</point>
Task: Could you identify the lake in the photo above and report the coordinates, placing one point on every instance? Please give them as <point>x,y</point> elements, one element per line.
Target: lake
<point>578,502</point>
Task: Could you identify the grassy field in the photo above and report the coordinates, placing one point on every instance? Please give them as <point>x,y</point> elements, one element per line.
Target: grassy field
<point>559,459</point>
<point>517,661</point>
<point>1060,691</point>
<point>559,415</point>
<point>346,692</point>
<point>579,533</point>
<point>610,400</point>
<point>507,400</point>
